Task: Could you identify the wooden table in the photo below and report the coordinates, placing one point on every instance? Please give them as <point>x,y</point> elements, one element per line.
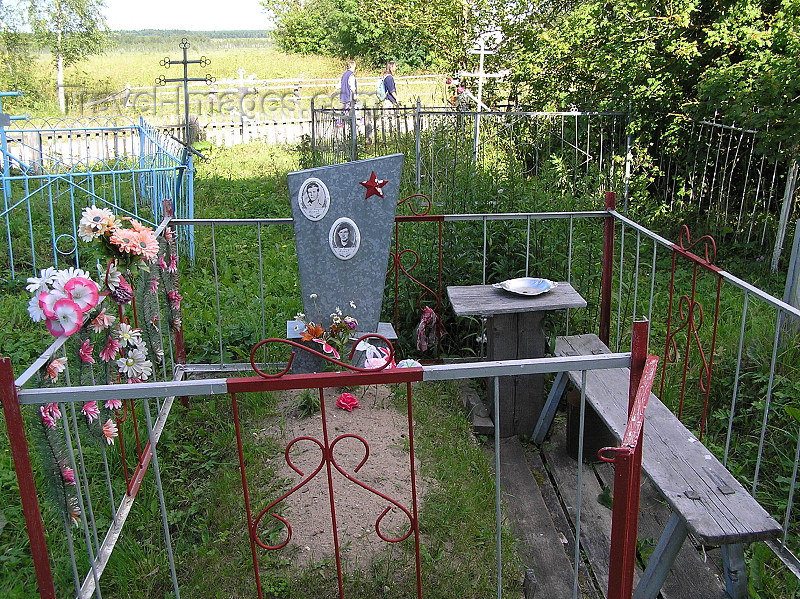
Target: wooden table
<point>514,331</point>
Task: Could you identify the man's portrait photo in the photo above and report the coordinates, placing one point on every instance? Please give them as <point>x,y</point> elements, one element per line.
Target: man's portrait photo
<point>314,199</point>
<point>344,238</point>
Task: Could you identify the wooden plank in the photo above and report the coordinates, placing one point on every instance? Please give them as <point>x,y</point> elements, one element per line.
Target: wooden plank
<point>595,518</point>
<point>690,478</point>
<point>485,300</point>
<point>559,518</point>
<point>539,545</point>
<point>691,575</point>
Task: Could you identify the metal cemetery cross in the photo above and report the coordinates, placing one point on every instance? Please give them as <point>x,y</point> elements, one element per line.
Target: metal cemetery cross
<point>161,80</point>
<point>343,217</point>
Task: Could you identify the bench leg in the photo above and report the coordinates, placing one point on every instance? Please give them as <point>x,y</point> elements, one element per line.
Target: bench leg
<point>550,407</point>
<point>660,562</point>
<point>735,571</point>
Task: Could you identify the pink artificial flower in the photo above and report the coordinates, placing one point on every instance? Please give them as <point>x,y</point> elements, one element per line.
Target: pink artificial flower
<point>110,350</point>
<point>347,401</point>
<point>67,475</point>
<point>134,379</point>
<point>161,263</point>
<point>90,410</point>
<point>85,352</point>
<point>52,409</point>
<point>68,318</point>
<point>83,292</point>
<point>47,418</point>
<point>113,404</point>
<point>148,244</point>
<point>46,301</point>
<point>153,285</point>
<point>110,431</point>
<point>380,361</point>
<point>173,263</point>
<point>102,321</point>
<point>327,348</point>
<point>174,299</point>
<point>55,368</point>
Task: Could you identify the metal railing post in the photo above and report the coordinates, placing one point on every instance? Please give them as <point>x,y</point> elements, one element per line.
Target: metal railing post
<point>608,274</point>
<point>27,486</point>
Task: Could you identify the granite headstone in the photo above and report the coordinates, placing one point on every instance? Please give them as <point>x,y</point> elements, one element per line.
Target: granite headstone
<point>343,221</point>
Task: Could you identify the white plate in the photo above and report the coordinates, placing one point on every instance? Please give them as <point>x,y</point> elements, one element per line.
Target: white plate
<point>527,285</point>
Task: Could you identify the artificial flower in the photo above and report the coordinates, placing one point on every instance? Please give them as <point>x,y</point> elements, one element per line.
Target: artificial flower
<point>173,263</point>
<point>42,282</point>
<point>110,431</point>
<point>90,410</point>
<point>347,401</point>
<point>83,292</point>
<point>381,360</point>
<point>113,404</point>
<point>110,350</point>
<point>123,293</point>
<point>95,222</point>
<point>327,347</point>
<point>313,331</point>
<point>68,318</point>
<point>85,351</point>
<point>67,475</point>
<point>148,244</point>
<point>161,263</point>
<point>408,363</point>
<point>56,367</point>
<point>62,277</point>
<point>35,310</point>
<point>53,409</point>
<point>135,364</point>
<point>47,417</point>
<point>74,511</point>
<point>47,300</point>
<point>128,336</point>
<point>153,285</point>
<point>102,321</point>
<point>111,276</point>
<point>126,240</point>
<point>174,299</point>
<point>136,225</point>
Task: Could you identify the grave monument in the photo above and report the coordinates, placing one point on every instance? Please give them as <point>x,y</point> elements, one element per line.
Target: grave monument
<point>343,220</point>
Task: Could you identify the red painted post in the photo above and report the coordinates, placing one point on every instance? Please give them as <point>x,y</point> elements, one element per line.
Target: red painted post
<point>27,487</point>
<point>627,460</point>
<point>608,266</point>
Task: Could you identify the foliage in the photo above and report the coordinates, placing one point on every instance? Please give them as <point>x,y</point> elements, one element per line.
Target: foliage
<point>416,35</point>
<point>71,29</point>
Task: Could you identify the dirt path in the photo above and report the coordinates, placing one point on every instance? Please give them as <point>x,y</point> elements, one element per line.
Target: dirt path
<point>386,470</point>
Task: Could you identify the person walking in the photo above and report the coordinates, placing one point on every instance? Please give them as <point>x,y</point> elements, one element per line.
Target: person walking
<point>348,92</point>
<point>389,85</point>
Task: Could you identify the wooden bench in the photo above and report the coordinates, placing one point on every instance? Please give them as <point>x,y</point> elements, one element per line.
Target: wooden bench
<point>706,500</point>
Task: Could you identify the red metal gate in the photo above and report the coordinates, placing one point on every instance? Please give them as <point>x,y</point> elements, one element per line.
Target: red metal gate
<point>328,464</point>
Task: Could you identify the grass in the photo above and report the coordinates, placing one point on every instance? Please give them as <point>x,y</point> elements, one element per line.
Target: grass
<point>198,463</point>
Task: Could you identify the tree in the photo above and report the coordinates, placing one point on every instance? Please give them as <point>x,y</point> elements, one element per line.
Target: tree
<point>432,34</point>
<point>16,63</point>
<point>71,29</point>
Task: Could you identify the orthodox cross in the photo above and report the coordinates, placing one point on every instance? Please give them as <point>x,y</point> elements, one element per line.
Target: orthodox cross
<point>161,80</point>
<point>481,50</point>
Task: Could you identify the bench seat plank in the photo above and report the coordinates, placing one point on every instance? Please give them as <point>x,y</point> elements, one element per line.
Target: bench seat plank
<point>685,472</point>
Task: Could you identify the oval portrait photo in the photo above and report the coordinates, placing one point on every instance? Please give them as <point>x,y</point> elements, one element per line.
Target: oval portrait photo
<point>314,199</point>
<point>344,238</point>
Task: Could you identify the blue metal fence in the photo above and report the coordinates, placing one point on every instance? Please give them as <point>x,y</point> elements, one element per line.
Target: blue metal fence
<point>53,169</point>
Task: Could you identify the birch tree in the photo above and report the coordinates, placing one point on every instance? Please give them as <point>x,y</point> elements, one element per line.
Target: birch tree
<point>71,29</point>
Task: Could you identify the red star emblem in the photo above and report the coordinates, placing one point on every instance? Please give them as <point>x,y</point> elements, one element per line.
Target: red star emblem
<point>374,186</point>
